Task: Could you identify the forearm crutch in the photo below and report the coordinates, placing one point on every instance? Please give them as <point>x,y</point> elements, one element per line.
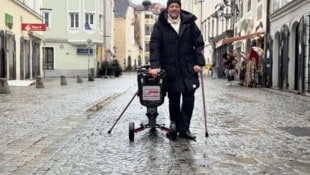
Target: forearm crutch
<point>109,132</point>
<point>204,104</point>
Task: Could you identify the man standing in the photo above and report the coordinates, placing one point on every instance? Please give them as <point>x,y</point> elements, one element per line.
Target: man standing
<point>177,47</point>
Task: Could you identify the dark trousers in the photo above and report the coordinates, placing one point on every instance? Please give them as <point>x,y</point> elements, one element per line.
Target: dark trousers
<point>181,114</point>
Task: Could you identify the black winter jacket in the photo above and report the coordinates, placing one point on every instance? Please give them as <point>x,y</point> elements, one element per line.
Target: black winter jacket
<point>177,53</point>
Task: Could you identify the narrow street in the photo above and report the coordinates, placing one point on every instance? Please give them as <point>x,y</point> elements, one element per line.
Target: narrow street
<point>64,130</point>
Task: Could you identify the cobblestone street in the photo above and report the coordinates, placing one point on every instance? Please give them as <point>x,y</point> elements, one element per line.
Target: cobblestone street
<point>63,130</point>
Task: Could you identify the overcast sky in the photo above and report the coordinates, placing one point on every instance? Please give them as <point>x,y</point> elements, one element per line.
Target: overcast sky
<point>140,1</point>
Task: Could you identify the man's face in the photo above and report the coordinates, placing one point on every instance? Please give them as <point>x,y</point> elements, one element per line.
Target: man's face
<point>174,10</point>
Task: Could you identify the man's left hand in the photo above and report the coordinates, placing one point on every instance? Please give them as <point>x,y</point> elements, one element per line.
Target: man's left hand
<point>197,68</point>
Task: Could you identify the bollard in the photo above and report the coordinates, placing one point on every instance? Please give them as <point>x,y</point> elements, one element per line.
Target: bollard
<point>39,82</point>
<point>4,86</point>
<point>79,79</point>
<point>63,80</point>
<point>91,74</point>
<point>215,73</point>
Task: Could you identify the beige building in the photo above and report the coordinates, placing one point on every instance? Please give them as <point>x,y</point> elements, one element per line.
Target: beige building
<point>147,15</point>
<point>133,29</point>
<point>20,40</point>
<point>126,47</point>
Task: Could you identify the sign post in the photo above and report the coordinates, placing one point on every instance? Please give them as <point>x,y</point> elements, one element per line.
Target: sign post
<point>90,43</point>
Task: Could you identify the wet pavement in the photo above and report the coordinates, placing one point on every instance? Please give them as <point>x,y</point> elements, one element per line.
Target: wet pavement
<point>63,130</point>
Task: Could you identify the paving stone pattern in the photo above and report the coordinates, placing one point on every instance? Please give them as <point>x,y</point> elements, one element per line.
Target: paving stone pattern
<point>63,130</point>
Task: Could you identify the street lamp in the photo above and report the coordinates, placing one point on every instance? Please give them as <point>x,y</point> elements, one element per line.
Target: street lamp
<point>234,10</point>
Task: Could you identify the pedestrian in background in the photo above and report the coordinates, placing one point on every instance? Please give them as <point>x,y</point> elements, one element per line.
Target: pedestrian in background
<point>251,66</point>
<point>229,64</point>
<point>176,46</point>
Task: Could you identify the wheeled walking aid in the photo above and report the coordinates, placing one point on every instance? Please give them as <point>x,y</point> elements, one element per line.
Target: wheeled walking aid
<point>151,92</point>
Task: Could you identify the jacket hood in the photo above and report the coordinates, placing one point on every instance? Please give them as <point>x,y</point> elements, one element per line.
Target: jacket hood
<point>186,17</point>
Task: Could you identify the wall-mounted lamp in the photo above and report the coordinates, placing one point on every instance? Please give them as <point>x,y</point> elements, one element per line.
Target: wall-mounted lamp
<point>220,10</point>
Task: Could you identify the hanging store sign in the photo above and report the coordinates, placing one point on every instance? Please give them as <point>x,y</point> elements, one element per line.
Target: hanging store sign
<point>33,27</point>
<point>9,20</point>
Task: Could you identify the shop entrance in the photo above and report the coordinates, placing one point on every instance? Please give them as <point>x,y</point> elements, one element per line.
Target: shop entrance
<point>300,58</point>
<point>283,58</point>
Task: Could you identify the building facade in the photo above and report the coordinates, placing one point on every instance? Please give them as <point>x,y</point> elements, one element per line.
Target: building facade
<point>279,27</point>
<point>20,40</point>
<point>126,46</point>
<point>147,16</point>
<point>215,28</point>
<point>234,26</point>
<point>289,48</point>
<point>77,31</point>
<point>108,30</point>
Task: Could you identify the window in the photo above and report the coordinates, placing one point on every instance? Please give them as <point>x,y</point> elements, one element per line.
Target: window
<point>217,26</point>
<point>212,28</point>
<point>241,8</point>
<point>148,30</point>
<point>209,29</point>
<point>89,21</point>
<point>275,5</point>
<point>74,20</point>
<point>48,58</point>
<point>101,23</point>
<point>206,36</point>
<point>259,12</point>
<point>147,46</point>
<point>249,5</point>
<point>46,19</point>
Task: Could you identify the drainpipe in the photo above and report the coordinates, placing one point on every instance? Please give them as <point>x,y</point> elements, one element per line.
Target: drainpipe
<point>309,54</point>
<point>105,39</point>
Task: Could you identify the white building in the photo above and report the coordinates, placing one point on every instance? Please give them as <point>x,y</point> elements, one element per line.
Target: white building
<point>289,45</point>
<point>79,36</point>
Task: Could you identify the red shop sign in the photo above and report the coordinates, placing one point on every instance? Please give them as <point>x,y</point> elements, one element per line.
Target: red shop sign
<point>33,27</point>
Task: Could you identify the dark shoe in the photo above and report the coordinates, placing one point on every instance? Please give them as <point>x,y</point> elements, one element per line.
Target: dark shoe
<point>187,135</point>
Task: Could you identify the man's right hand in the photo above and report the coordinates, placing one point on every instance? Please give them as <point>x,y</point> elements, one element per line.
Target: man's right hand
<point>154,72</point>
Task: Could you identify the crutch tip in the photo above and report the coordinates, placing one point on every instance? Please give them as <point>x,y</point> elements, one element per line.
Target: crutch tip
<point>109,132</point>
<point>207,134</point>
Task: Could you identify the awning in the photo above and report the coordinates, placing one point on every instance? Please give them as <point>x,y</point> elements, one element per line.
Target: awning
<point>237,38</point>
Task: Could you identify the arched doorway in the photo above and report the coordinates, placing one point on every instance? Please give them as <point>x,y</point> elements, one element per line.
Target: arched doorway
<point>283,58</point>
<point>2,56</point>
<point>139,61</point>
<point>129,66</point>
<point>299,83</point>
<point>36,69</point>
<point>24,59</point>
<point>10,56</point>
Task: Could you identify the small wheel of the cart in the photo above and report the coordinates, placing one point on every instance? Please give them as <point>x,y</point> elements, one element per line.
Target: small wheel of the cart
<point>131,131</point>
